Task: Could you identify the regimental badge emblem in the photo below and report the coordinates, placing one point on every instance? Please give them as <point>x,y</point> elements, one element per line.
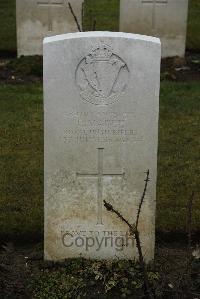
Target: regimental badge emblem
<point>102,76</point>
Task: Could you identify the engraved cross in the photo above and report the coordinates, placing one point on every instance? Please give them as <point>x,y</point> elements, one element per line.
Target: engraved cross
<point>50,4</point>
<point>154,2</point>
<point>100,175</point>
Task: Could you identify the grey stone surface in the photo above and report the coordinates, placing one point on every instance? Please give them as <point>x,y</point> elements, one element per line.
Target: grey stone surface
<point>37,19</point>
<point>166,19</point>
<point>101,103</point>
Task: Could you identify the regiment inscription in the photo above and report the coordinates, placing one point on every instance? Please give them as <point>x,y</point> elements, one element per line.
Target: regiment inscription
<point>101,127</point>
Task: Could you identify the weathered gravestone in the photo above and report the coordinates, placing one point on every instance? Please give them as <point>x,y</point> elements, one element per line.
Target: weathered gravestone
<point>101,132</point>
<point>166,19</point>
<point>39,18</point>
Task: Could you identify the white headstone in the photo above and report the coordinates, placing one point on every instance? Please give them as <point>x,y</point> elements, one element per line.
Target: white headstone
<point>101,132</point>
<point>37,19</point>
<point>166,19</point>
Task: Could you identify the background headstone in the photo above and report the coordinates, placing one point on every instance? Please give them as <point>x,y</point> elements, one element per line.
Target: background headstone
<point>39,18</point>
<point>166,19</point>
<point>101,132</point>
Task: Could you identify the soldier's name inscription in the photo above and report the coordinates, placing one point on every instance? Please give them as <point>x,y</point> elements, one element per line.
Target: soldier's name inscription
<point>101,127</point>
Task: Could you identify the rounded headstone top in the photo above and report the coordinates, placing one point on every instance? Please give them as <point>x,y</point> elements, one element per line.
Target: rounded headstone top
<point>90,34</point>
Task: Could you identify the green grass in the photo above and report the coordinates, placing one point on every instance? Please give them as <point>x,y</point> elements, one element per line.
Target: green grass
<point>21,159</point>
<point>193,36</point>
<point>7,26</point>
<point>179,158</point>
<point>106,13</point>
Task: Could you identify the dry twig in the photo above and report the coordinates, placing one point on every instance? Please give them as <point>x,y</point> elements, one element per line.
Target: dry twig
<point>142,198</point>
<point>75,18</point>
<point>94,25</point>
<point>134,231</point>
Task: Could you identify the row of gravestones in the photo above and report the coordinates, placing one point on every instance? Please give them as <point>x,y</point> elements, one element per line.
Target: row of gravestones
<point>166,19</point>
